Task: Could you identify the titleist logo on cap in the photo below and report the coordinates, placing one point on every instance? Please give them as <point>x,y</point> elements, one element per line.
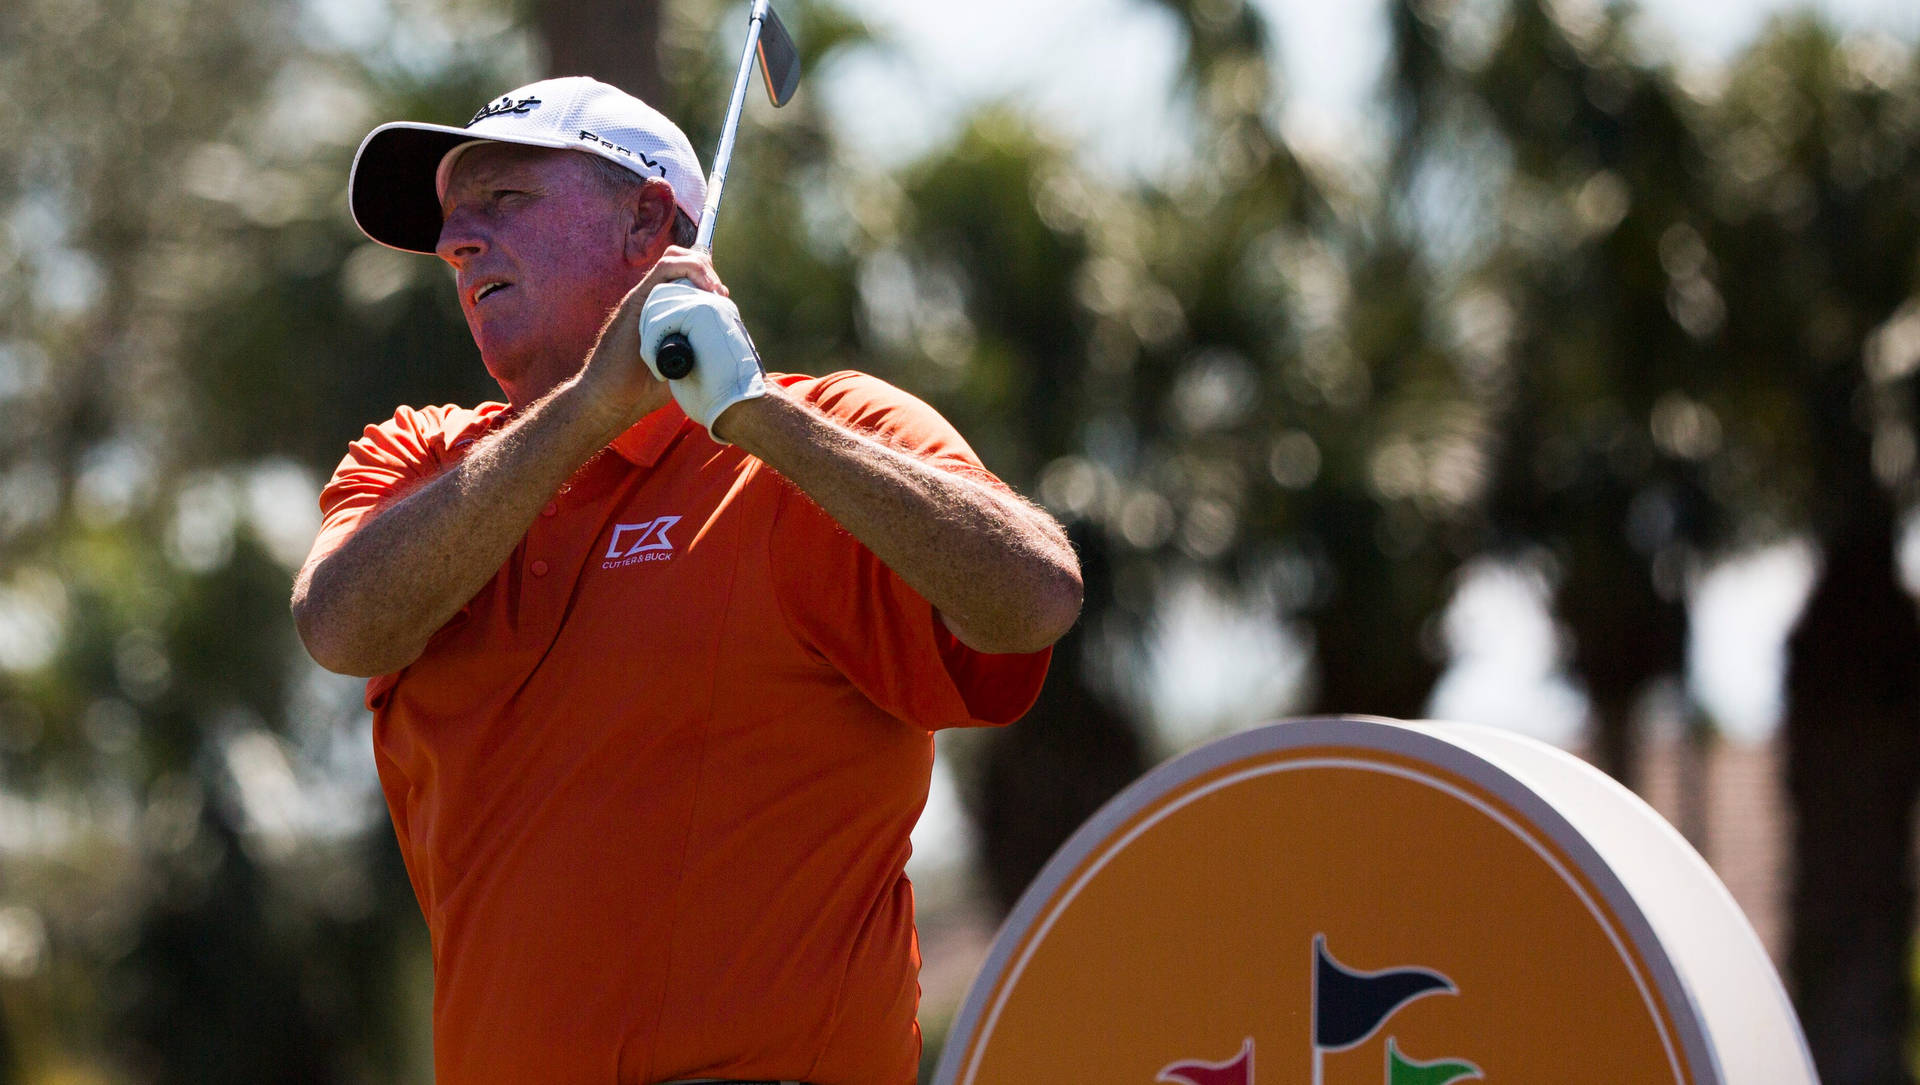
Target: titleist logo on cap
<point>506,104</point>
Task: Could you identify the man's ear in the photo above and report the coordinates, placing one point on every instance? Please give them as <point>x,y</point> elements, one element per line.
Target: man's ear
<point>650,226</point>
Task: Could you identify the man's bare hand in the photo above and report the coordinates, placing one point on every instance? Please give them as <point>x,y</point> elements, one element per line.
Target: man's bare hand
<point>615,380</point>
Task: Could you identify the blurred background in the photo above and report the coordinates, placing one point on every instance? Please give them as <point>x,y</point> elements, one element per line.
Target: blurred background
<point>1544,363</point>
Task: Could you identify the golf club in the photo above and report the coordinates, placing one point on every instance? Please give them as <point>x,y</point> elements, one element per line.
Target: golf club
<point>780,67</point>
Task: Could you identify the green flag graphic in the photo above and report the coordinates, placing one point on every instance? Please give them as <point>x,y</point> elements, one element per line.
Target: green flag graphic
<point>1404,1071</point>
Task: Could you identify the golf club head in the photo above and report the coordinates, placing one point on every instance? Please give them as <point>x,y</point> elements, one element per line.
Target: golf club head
<point>779,59</point>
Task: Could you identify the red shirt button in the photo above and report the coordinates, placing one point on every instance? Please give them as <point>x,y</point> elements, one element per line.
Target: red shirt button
<point>550,509</point>
<point>539,568</point>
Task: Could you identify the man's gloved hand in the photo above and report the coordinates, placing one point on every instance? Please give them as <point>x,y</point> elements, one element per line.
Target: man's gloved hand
<point>727,368</point>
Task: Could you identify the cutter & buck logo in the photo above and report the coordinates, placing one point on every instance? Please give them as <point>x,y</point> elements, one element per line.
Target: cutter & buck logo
<point>635,543</point>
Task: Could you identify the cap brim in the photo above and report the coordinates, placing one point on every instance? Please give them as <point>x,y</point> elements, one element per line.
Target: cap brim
<point>391,189</point>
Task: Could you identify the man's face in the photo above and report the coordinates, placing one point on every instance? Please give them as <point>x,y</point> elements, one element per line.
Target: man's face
<point>537,243</point>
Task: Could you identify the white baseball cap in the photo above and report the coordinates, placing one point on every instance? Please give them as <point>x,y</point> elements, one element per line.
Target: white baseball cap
<point>401,169</point>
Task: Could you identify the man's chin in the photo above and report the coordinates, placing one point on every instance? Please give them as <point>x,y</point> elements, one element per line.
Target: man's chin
<point>509,369</point>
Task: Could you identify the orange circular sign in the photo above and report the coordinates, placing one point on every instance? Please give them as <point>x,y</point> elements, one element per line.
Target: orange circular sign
<point>1339,902</point>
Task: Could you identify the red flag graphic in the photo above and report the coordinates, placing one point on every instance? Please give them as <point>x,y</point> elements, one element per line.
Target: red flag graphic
<point>1235,1071</point>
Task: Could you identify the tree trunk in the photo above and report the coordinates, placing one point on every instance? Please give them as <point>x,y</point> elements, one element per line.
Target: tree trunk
<point>615,42</point>
<point>1372,647</point>
<point>1625,635</point>
<point>1369,666</point>
<point>1853,744</point>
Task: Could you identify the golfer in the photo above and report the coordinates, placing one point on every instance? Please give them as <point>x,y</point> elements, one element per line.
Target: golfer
<point>655,666</point>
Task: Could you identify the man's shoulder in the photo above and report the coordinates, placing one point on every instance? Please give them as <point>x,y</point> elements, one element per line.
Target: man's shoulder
<point>857,398</point>
<point>840,386</point>
<point>435,429</point>
<point>449,419</point>
<point>881,410</point>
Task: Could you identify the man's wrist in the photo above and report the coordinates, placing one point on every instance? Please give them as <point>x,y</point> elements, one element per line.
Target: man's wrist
<point>595,419</point>
<point>747,423</point>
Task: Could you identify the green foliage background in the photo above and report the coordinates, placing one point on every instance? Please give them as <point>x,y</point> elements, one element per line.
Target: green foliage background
<point>1593,317</point>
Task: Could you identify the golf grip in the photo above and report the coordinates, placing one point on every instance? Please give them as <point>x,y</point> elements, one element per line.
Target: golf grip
<point>674,356</point>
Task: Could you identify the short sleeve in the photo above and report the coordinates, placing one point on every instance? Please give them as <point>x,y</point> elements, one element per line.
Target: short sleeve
<point>391,458</point>
<point>387,461</point>
<point>845,605</point>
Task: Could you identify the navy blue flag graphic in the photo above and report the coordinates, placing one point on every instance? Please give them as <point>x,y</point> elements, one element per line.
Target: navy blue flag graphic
<point>1348,1006</point>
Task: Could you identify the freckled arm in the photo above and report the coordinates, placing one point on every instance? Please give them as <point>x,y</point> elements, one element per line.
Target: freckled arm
<point>998,570</point>
<point>368,606</point>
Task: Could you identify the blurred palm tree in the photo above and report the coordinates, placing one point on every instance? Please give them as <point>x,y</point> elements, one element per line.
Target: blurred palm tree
<point>199,882</point>
<point>1701,296</point>
<point>1553,173</point>
<point>143,559</point>
<point>1312,435</point>
<point>1819,229</point>
<point>1111,352</point>
<point>971,297</point>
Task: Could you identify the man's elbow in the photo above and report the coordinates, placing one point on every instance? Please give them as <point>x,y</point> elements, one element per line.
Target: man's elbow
<point>326,650</point>
<point>1042,615</point>
<point>334,648</point>
<point>1060,603</point>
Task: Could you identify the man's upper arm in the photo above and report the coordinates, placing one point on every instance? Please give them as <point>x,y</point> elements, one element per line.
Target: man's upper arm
<point>388,460</point>
<point>844,603</point>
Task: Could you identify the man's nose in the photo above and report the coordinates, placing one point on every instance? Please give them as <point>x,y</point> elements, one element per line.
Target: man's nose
<point>461,238</point>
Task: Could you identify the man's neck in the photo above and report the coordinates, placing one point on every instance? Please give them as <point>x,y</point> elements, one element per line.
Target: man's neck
<point>532,385</point>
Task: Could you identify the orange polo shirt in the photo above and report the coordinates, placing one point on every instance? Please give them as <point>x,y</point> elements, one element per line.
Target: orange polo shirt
<point>654,784</point>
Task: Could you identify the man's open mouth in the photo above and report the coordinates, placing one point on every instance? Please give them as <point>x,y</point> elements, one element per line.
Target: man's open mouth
<point>481,294</point>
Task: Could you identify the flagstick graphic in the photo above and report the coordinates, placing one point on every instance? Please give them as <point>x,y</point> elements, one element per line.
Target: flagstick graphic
<point>1235,1071</point>
<point>1350,1006</point>
<point>1405,1071</point>
<point>1313,1007</point>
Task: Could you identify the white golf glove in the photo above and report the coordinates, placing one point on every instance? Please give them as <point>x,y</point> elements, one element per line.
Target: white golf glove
<point>726,369</point>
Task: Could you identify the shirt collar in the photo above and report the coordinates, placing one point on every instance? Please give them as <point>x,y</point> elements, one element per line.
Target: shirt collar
<point>647,440</point>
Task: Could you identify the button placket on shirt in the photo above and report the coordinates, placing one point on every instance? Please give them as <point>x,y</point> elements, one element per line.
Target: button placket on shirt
<point>554,553</point>
<point>539,566</point>
<point>541,604</point>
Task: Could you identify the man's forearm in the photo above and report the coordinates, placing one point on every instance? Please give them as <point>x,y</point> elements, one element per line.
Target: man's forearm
<point>999,571</point>
<point>369,607</point>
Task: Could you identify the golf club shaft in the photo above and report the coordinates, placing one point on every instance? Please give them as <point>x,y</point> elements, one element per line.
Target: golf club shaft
<point>675,354</point>
<point>723,157</point>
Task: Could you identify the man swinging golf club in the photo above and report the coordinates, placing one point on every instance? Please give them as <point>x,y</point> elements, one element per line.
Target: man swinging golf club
<point>655,665</point>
